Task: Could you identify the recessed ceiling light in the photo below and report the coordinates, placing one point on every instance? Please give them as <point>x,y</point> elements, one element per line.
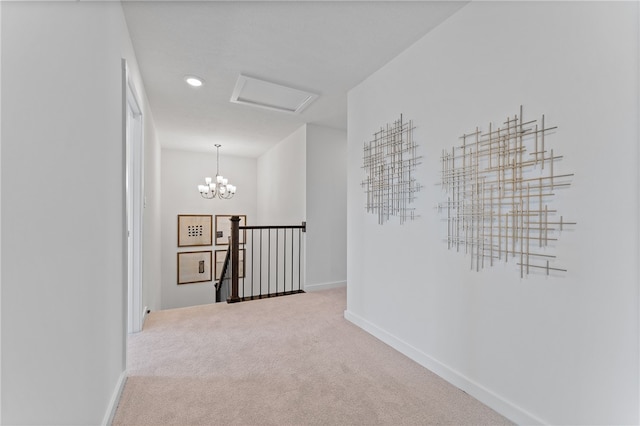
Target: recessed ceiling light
<point>194,81</point>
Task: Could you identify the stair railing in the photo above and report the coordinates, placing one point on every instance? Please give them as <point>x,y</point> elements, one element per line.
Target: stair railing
<point>270,259</point>
<point>223,284</point>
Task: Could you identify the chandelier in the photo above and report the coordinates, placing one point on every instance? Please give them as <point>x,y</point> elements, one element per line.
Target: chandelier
<point>221,187</point>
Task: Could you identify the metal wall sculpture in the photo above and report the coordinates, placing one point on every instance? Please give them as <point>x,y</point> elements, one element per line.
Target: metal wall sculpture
<point>499,184</point>
<point>389,161</point>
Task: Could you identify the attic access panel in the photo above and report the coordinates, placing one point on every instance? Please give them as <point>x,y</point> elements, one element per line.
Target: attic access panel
<point>264,94</point>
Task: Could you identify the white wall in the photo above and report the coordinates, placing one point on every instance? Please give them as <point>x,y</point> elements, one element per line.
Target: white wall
<point>303,178</point>
<point>282,181</point>
<point>182,172</point>
<point>559,350</point>
<point>63,241</point>
<point>326,207</point>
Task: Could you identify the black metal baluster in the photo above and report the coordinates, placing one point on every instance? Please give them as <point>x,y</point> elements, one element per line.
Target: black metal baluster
<point>299,256</point>
<point>240,279</point>
<point>244,290</point>
<point>260,262</point>
<point>292,260</point>
<point>245,264</point>
<point>277,252</point>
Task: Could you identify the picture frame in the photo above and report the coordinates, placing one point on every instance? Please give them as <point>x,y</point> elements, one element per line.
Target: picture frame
<point>195,230</point>
<point>220,256</point>
<point>223,229</point>
<point>194,266</point>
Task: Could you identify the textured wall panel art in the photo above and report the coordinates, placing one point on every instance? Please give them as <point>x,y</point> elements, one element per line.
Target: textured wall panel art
<point>194,267</point>
<point>389,162</point>
<point>500,185</point>
<point>194,230</point>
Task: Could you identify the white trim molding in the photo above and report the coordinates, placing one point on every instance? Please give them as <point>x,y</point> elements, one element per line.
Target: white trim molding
<point>134,177</point>
<point>145,312</point>
<point>482,394</point>
<point>0,222</point>
<point>638,181</point>
<point>324,286</point>
<point>115,399</point>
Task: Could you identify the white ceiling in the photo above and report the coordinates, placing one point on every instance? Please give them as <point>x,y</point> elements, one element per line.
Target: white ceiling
<point>325,47</point>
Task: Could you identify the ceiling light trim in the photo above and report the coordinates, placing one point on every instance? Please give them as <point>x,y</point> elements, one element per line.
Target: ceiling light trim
<point>194,80</point>
<point>262,90</point>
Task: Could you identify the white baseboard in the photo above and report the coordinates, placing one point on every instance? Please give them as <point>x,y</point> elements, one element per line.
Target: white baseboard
<point>324,286</point>
<point>144,317</point>
<point>482,394</point>
<point>115,398</point>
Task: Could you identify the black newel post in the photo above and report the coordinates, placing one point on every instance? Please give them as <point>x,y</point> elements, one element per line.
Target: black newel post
<point>235,251</point>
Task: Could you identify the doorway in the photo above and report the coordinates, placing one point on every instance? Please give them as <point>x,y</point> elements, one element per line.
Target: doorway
<point>134,203</point>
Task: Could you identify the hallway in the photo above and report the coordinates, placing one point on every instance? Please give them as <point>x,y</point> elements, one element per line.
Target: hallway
<point>287,360</point>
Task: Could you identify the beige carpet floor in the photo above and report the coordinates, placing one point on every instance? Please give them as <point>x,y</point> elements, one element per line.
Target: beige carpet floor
<point>290,360</point>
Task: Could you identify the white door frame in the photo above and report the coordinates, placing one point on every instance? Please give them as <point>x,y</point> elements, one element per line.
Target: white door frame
<point>134,182</point>
<point>0,222</point>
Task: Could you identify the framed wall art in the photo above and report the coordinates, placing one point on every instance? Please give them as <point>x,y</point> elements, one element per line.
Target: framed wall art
<point>223,229</point>
<point>194,267</point>
<point>195,230</point>
<point>220,256</point>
